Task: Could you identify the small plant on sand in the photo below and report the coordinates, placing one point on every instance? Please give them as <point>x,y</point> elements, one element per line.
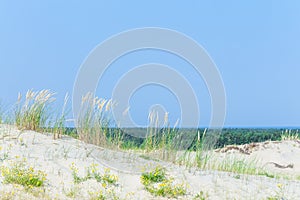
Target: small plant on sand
<point>32,113</point>
<point>4,153</point>
<point>18,173</point>
<point>201,196</point>
<point>279,193</point>
<point>154,176</point>
<point>72,192</point>
<point>97,195</point>
<point>108,178</point>
<point>19,192</point>
<point>108,194</point>
<point>92,173</point>
<point>7,195</point>
<point>76,177</point>
<point>158,184</point>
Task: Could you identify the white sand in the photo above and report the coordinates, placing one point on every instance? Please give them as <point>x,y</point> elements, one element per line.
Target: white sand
<point>55,157</point>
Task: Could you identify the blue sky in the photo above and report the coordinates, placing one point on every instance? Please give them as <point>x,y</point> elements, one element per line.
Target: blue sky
<point>255,45</point>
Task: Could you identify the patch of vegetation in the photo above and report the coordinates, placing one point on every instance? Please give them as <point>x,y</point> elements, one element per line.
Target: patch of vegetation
<point>206,160</point>
<point>4,153</point>
<point>72,192</point>
<point>162,142</point>
<point>157,183</point>
<point>104,195</point>
<point>265,173</point>
<point>76,177</point>
<point>201,196</point>
<point>108,178</point>
<point>289,135</point>
<point>19,192</point>
<point>94,120</point>
<point>238,165</point>
<point>279,194</point>
<point>95,125</point>
<point>18,173</point>
<point>32,112</point>
<point>154,176</point>
<point>92,173</point>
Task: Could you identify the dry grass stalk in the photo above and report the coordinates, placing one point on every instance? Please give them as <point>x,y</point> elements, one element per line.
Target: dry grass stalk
<point>94,119</point>
<point>32,113</point>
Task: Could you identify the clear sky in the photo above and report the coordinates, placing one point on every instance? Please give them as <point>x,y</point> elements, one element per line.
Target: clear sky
<point>255,45</point>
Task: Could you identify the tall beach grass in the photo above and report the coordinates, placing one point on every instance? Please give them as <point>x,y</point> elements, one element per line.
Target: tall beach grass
<point>94,121</point>
<point>95,125</point>
<point>32,112</point>
<point>289,135</point>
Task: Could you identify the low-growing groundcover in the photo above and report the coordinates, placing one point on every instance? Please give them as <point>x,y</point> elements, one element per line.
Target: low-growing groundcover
<point>18,173</point>
<point>92,173</point>
<point>157,183</point>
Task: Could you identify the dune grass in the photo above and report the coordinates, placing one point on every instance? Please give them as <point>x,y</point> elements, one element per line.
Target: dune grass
<point>94,121</point>
<point>4,116</point>
<point>205,159</point>
<point>163,142</point>
<point>289,135</point>
<point>94,126</point>
<point>32,113</point>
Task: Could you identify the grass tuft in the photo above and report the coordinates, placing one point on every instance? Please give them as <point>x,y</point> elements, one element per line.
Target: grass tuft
<point>289,135</point>
<point>94,120</point>
<point>32,112</point>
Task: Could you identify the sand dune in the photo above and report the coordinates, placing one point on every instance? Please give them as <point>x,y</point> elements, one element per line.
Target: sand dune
<point>55,158</point>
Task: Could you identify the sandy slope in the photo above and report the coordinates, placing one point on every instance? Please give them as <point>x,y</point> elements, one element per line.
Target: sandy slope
<point>56,156</point>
